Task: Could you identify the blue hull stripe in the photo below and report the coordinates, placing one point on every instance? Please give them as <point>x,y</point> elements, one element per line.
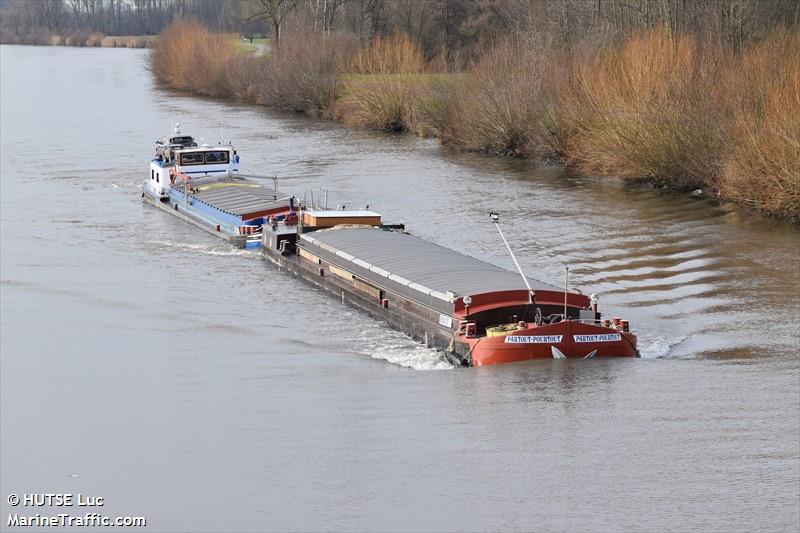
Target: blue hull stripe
<point>227,221</point>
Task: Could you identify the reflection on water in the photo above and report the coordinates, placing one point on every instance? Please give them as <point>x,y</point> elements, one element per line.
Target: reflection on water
<point>157,357</point>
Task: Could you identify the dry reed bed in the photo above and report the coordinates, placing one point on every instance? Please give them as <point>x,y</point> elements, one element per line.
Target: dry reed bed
<point>504,106</point>
<point>761,167</point>
<point>305,74</point>
<point>78,38</point>
<point>643,111</point>
<point>382,85</point>
<point>668,109</point>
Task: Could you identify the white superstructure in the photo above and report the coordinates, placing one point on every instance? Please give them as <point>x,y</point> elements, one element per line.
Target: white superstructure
<point>179,157</point>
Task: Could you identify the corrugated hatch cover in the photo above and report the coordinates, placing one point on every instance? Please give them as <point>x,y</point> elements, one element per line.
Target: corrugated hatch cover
<point>423,262</point>
<point>241,198</point>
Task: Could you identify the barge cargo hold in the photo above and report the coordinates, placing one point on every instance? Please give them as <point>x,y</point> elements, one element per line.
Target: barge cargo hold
<point>202,185</point>
<point>476,312</point>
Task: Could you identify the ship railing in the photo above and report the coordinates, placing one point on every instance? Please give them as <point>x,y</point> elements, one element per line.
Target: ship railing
<point>594,322</point>
<point>590,321</point>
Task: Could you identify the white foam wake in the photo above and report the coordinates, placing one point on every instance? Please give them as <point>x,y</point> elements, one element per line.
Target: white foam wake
<point>416,357</point>
<point>655,347</point>
<point>379,341</point>
<point>219,250</point>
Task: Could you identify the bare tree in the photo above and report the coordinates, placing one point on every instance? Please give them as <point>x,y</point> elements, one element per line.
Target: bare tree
<point>323,12</point>
<point>453,28</point>
<point>364,18</point>
<point>274,12</point>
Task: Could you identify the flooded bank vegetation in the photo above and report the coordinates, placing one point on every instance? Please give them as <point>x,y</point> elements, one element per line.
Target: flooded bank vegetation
<point>702,99</point>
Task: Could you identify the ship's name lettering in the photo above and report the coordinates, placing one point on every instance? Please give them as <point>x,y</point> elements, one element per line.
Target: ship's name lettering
<point>607,337</point>
<point>533,339</point>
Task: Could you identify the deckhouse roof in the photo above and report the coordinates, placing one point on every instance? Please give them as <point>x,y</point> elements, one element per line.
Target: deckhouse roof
<point>204,148</point>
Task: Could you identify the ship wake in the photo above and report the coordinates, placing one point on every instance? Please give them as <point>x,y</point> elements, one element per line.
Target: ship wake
<point>224,250</point>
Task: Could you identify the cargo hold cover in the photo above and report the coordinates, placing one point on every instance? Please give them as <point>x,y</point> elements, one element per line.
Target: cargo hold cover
<point>411,261</point>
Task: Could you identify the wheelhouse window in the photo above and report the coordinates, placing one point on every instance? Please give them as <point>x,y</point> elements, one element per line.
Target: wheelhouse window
<point>192,158</point>
<point>213,158</point>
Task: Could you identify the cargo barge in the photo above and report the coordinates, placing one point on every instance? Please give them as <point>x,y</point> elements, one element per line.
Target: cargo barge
<point>202,185</point>
<point>477,313</point>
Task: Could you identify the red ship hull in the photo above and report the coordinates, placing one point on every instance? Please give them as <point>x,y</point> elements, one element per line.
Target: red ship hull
<point>572,339</point>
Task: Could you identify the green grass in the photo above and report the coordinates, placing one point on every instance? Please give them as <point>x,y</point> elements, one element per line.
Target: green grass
<point>355,83</point>
<point>247,46</point>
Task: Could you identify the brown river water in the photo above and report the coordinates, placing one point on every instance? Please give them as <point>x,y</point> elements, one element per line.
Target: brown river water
<point>146,362</point>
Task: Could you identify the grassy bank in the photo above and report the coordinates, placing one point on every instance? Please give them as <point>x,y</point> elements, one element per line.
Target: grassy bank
<point>672,110</point>
<point>254,45</point>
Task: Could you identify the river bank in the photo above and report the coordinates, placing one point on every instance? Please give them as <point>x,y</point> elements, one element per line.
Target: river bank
<point>669,110</point>
<point>81,38</point>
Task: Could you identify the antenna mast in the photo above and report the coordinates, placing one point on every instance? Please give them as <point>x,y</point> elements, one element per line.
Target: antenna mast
<point>566,289</point>
<point>495,218</point>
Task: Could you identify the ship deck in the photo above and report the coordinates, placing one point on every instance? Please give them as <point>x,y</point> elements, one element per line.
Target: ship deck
<point>238,197</point>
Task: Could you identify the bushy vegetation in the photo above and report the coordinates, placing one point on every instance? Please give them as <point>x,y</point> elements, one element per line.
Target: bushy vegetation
<point>504,104</point>
<point>645,109</point>
<point>700,94</point>
<point>190,57</point>
<point>679,112</point>
<point>73,38</point>
<point>676,110</point>
<point>761,167</point>
<point>304,74</point>
<point>127,41</point>
<point>381,85</point>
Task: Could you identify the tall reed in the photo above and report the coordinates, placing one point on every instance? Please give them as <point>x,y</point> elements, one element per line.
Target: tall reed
<point>382,85</point>
<point>304,74</point>
<point>667,108</point>
<point>504,105</point>
<point>643,110</point>
<point>762,165</point>
<point>188,56</point>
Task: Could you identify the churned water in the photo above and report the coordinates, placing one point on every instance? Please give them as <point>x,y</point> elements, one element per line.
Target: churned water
<point>182,380</point>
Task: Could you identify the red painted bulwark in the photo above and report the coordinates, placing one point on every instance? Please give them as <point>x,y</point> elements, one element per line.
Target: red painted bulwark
<point>572,338</point>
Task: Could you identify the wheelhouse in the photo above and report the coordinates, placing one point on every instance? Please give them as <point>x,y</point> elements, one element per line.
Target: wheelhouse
<point>180,156</point>
<point>204,157</point>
